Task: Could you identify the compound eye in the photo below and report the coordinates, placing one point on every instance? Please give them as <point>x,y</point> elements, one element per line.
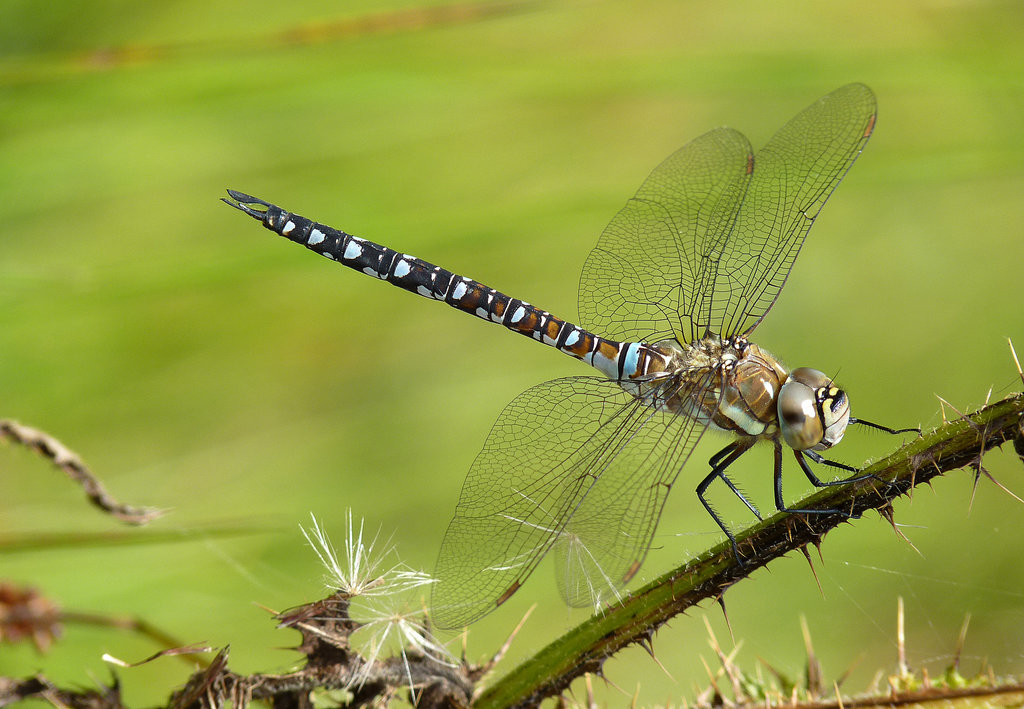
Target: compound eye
<point>813,378</point>
<point>799,415</point>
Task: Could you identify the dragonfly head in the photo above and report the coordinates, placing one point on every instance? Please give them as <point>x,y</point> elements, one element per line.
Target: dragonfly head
<point>813,411</point>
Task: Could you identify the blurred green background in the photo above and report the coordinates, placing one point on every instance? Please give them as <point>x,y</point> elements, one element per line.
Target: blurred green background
<point>201,364</point>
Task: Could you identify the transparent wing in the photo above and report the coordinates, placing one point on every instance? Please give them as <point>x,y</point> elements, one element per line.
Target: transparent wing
<point>710,238</point>
<point>607,538</point>
<point>573,464</point>
<point>794,175</point>
<point>644,279</point>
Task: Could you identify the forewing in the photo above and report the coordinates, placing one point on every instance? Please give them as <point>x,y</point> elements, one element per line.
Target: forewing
<point>709,240</point>
<point>645,278</point>
<point>552,448</point>
<point>793,176</point>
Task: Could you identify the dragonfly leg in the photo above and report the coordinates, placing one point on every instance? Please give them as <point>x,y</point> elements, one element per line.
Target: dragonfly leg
<point>818,458</point>
<point>719,462</point>
<point>714,460</point>
<point>801,458</point>
<point>780,502</point>
<point>880,427</point>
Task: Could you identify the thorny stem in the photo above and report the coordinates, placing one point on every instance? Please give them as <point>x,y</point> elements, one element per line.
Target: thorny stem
<point>956,444</point>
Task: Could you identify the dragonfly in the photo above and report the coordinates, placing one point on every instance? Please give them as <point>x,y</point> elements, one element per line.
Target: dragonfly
<point>580,467</point>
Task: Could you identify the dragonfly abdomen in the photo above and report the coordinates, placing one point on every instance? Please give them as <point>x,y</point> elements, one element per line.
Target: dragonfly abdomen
<point>617,360</point>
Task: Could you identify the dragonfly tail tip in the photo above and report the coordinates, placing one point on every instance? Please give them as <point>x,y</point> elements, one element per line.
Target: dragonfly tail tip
<point>245,203</point>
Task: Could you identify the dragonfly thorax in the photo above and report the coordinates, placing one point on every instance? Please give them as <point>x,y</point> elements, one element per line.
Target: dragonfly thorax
<point>729,384</point>
<point>738,387</point>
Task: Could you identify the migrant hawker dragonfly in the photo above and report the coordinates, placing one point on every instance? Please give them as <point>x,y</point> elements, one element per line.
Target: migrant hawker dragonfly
<point>679,279</point>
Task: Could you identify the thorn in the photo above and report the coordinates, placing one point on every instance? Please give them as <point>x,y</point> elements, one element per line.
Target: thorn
<point>788,522</point>
<point>974,487</point>
<point>1015,360</point>
<point>979,468</point>
<point>808,521</point>
<point>980,431</point>
<point>814,673</point>
<point>701,697</point>
<point>599,672</point>
<point>839,697</point>
<point>887,513</point>
<point>508,641</point>
<point>645,643</point>
<point>733,672</point>
<point>712,679</point>
<point>500,654</point>
<point>901,641</point>
<point>958,413</point>
<point>589,684</point>
<point>873,688</point>
<point>727,662</point>
<point>960,642</point>
<point>712,640</point>
<point>1000,485</point>
<point>725,614</point>
<point>807,555</point>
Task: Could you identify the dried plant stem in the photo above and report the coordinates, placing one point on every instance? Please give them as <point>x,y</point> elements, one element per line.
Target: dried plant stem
<point>52,449</point>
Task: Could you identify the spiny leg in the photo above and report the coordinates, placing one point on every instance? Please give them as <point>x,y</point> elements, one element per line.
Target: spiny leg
<point>780,503</point>
<point>719,462</point>
<point>714,460</point>
<point>880,427</point>
<point>818,458</point>
<point>716,463</point>
<point>821,460</point>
